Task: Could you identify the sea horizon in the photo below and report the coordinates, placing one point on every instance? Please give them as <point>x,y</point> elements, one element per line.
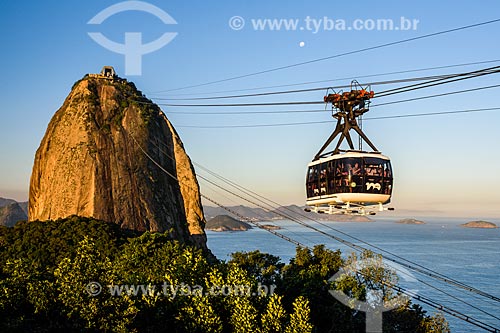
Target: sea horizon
<point>465,254</point>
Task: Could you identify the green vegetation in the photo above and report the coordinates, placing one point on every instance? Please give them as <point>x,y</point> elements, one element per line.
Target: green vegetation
<point>128,96</point>
<point>226,223</point>
<point>47,269</point>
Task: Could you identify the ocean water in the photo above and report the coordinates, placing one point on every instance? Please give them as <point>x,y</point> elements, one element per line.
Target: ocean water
<point>471,256</point>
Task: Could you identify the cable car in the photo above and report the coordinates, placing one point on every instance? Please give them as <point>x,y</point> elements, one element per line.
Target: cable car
<point>349,181</point>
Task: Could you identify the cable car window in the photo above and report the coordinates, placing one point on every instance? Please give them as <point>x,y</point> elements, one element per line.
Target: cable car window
<point>345,176</point>
<point>312,181</point>
<point>350,165</point>
<point>374,171</point>
<point>374,166</point>
<point>353,181</point>
<point>331,177</point>
<point>356,169</point>
<point>322,179</point>
<point>387,188</point>
<point>310,176</point>
<point>339,167</point>
<point>387,169</point>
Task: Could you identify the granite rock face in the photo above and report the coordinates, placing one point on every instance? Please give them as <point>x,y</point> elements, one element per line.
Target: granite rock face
<point>111,154</point>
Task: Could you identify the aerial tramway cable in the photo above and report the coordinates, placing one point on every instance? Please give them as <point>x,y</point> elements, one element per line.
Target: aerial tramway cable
<point>338,55</point>
<point>405,262</point>
<point>318,102</point>
<point>418,268</point>
<point>427,114</point>
<point>356,247</point>
<point>400,289</point>
<point>343,79</point>
<point>206,197</point>
<point>270,93</point>
<point>258,225</point>
<point>435,80</point>
<point>425,300</point>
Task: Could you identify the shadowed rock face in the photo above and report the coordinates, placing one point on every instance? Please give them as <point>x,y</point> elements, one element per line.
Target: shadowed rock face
<point>11,214</point>
<point>93,162</point>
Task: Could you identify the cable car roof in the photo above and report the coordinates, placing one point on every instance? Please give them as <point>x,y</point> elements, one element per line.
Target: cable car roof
<point>350,154</point>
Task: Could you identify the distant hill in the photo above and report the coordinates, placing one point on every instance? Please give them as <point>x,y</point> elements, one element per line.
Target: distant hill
<point>255,214</point>
<point>294,211</point>
<point>11,214</point>
<point>5,202</point>
<point>24,206</point>
<point>226,223</point>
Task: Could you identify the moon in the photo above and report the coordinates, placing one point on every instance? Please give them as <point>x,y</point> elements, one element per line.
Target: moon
<point>301,44</point>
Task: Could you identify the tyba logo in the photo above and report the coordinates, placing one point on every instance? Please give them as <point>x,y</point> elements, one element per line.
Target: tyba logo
<point>376,302</point>
<point>133,48</point>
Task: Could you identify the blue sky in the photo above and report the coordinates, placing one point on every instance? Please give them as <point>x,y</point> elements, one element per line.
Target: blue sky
<point>448,164</point>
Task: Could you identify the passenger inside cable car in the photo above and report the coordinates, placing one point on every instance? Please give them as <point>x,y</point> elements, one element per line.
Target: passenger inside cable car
<point>350,175</point>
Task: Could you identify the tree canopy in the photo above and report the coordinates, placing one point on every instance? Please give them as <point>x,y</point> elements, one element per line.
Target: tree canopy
<point>81,274</point>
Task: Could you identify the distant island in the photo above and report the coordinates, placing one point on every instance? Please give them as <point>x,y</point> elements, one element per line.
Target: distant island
<point>270,227</point>
<point>226,223</point>
<point>410,221</point>
<point>480,224</point>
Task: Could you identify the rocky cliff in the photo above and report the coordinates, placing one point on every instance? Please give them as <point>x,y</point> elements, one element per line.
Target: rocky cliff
<point>111,154</point>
